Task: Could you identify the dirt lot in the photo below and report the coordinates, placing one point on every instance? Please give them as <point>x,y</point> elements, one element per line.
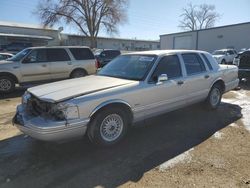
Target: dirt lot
<point>191,147</point>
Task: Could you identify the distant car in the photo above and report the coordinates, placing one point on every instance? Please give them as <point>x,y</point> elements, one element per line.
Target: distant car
<point>45,64</point>
<point>103,57</point>
<point>225,56</point>
<point>4,56</point>
<point>242,60</point>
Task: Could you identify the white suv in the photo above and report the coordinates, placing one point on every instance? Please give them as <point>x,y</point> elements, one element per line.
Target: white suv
<point>45,64</point>
<point>225,56</point>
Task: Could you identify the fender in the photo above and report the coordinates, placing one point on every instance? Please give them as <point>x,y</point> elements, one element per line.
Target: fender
<point>114,101</point>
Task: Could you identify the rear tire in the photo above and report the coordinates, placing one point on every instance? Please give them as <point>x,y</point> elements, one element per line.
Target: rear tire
<point>7,84</point>
<point>108,127</point>
<point>214,97</point>
<point>78,73</point>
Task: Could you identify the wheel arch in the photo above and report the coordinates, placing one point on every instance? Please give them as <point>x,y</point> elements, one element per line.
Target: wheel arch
<point>15,79</point>
<point>76,69</point>
<point>123,104</point>
<point>221,83</point>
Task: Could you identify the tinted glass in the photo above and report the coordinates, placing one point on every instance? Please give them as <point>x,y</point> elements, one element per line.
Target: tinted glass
<point>113,53</point>
<point>231,52</point>
<point>82,53</point>
<point>169,65</point>
<point>36,56</point>
<point>57,55</point>
<point>193,63</point>
<point>207,62</point>
<point>245,60</point>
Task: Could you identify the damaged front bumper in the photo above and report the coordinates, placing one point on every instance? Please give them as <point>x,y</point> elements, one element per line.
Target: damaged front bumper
<point>48,130</point>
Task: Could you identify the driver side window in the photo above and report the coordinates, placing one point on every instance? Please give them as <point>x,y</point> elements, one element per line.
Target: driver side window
<point>169,65</point>
<point>36,56</point>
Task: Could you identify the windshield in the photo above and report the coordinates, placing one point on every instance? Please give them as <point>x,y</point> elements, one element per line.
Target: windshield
<point>19,55</point>
<point>131,67</point>
<point>219,52</point>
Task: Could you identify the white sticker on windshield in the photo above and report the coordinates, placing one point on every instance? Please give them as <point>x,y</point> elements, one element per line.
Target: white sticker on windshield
<point>145,58</point>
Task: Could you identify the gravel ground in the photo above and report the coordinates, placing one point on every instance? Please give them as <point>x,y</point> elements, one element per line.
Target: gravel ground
<point>191,147</point>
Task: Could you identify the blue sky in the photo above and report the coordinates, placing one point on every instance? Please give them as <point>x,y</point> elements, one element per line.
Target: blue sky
<point>147,19</point>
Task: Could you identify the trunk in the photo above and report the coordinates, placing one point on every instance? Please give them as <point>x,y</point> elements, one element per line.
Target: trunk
<point>93,43</point>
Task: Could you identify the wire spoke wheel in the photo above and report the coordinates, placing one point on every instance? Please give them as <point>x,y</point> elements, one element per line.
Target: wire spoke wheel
<point>5,84</point>
<point>111,127</point>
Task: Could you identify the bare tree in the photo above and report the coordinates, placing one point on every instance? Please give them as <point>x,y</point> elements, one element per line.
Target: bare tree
<point>198,17</point>
<point>88,15</point>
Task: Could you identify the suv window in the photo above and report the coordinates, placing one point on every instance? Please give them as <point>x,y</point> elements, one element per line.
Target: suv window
<point>82,53</point>
<point>169,65</point>
<point>207,62</point>
<point>57,55</point>
<point>193,63</point>
<point>231,52</point>
<point>36,56</point>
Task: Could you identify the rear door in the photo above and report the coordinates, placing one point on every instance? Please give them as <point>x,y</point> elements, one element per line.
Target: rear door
<point>198,78</point>
<point>35,66</point>
<point>83,58</point>
<point>60,63</point>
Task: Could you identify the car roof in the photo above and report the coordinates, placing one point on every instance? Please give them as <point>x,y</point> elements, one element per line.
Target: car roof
<point>51,47</point>
<point>162,52</point>
<point>3,53</point>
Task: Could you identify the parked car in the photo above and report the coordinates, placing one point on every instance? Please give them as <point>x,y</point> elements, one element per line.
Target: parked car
<point>103,57</point>
<point>4,56</point>
<point>129,89</point>
<point>242,60</point>
<point>225,56</point>
<point>45,64</point>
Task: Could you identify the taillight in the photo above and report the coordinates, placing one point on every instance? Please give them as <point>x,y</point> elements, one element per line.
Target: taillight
<point>97,64</point>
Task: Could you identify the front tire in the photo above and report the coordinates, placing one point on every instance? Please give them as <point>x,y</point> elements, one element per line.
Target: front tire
<point>7,84</point>
<point>214,97</point>
<point>108,126</point>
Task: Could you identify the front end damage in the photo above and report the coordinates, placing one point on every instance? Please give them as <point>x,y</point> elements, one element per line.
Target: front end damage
<point>49,121</point>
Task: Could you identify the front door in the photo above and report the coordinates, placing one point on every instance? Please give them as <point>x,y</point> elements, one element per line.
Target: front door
<point>35,66</point>
<point>168,95</point>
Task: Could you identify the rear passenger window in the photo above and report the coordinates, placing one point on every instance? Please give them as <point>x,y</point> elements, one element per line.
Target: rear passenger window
<point>207,62</point>
<point>57,55</point>
<point>82,53</point>
<point>169,65</point>
<point>193,63</point>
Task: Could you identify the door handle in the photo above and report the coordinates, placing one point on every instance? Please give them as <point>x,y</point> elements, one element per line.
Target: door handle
<point>206,76</point>
<point>180,82</point>
<point>44,65</point>
<point>69,63</point>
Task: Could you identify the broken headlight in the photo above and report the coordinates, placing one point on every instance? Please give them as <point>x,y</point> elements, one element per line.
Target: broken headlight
<point>64,111</point>
<point>26,96</point>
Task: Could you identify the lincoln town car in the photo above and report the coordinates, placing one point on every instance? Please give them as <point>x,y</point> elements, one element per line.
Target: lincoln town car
<point>131,88</point>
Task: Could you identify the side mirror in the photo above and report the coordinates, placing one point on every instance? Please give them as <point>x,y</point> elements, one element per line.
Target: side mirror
<point>227,54</point>
<point>162,78</point>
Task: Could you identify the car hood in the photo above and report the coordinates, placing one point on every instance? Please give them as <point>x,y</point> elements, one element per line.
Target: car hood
<point>5,62</point>
<point>67,89</point>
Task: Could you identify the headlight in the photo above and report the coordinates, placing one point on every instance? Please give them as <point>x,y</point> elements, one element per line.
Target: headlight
<point>26,96</point>
<point>63,111</point>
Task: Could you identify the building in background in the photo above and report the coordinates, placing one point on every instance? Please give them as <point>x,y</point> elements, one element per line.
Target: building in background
<point>235,36</point>
<point>17,36</point>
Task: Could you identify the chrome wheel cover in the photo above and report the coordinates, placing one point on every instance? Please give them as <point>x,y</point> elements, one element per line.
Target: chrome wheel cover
<point>111,127</point>
<point>5,84</point>
<point>215,96</point>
